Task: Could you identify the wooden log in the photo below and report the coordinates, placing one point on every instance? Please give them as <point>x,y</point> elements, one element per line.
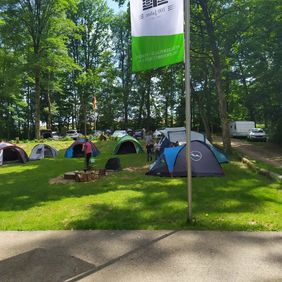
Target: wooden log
<point>102,172</point>
<point>87,176</point>
<point>265,172</point>
<point>70,175</point>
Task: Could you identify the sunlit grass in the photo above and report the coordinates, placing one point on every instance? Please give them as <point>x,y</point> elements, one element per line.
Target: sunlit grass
<point>241,200</point>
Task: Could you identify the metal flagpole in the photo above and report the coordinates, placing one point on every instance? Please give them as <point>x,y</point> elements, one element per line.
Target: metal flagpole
<point>188,106</point>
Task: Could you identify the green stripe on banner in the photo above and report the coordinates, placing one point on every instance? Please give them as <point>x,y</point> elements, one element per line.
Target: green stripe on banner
<point>149,52</point>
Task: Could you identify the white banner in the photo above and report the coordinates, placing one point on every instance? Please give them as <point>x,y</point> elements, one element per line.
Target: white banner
<point>157,33</point>
<point>156,17</point>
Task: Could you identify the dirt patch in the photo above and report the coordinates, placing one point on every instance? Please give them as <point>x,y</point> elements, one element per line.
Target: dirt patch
<point>264,152</point>
<point>136,169</point>
<point>260,151</point>
<point>60,180</point>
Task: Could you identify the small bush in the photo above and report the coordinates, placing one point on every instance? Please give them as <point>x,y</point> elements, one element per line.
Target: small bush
<point>276,132</point>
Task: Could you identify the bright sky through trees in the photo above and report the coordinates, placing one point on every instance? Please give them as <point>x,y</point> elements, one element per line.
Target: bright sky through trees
<point>114,5</point>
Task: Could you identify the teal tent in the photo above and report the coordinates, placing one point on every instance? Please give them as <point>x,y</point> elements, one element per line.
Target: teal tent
<point>128,145</point>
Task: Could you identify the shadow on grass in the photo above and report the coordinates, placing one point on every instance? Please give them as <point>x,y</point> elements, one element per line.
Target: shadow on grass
<point>131,200</point>
<point>24,186</point>
<point>159,203</point>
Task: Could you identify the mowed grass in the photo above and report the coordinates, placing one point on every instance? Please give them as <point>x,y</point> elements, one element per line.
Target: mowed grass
<point>241,200</point>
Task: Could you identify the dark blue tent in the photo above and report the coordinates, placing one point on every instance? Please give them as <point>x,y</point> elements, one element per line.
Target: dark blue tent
<point>173,161</point>
<point>178,134</point>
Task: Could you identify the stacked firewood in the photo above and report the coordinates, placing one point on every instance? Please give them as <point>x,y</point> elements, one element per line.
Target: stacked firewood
<point>87,176</point>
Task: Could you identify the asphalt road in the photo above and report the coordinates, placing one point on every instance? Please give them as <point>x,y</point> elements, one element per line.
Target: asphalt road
<point>140,256</point>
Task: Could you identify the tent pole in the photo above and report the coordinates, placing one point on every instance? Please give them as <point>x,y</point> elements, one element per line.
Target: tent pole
<point>188,106</point>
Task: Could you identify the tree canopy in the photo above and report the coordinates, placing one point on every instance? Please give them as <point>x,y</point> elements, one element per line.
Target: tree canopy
<point>56,55</point>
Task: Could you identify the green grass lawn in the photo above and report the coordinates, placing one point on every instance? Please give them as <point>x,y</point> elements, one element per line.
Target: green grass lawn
<point>241,200</point>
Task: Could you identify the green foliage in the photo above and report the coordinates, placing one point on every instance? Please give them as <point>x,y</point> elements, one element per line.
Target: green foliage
<point>82,50</point>
<point>66,138</point>
<point>275,129</point>
<point>89,49</point>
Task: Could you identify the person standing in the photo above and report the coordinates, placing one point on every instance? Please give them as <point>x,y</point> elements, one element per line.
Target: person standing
<point>157,149</point>
<point>87,149</point>
<point>149,145</point>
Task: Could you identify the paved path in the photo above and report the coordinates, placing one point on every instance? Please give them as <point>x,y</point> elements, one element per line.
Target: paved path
<point>269,153</point>
<point>140,256</point>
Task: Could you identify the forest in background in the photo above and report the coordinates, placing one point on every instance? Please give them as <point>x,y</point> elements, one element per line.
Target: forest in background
<point>56,55</point>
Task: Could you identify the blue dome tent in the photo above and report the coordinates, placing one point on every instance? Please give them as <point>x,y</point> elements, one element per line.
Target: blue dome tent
<point>178,134</point>
<point>75,149</point>
<point>172,162</point>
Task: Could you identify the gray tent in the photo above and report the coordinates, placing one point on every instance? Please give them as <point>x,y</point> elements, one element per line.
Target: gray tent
<point>10,153</point>
<point>42,151</point>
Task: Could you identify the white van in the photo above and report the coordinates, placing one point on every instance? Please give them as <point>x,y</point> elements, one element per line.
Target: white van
<point>240,128</point>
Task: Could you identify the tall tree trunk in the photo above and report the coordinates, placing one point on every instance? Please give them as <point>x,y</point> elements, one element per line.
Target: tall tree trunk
<point>125,105</point>
<point>37,101</point>
<point>218,79</point>
<point>148,102</point>
<point>49,118</point>
<point>19,125</point>
<point>246,89</point>
<point>84,115</point>
<point>171,96</point>
<point>204,114</point>
<point>28,111</point>
<point>141,105</point>
<point>125,88</point>
<point>9,121</point>
<point>166,110</point>
<point>202,107</point>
